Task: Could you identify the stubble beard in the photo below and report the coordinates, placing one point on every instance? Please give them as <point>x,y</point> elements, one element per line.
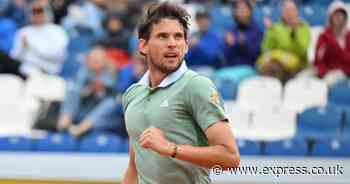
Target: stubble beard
<point>163,68</point>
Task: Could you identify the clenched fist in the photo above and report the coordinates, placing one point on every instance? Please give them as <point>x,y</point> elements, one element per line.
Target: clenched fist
<point>154,139</point>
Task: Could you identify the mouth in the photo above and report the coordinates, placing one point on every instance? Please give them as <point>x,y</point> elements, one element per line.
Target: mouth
<point>171,55</point>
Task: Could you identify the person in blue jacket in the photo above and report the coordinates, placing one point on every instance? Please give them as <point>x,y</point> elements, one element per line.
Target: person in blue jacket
<point>242,42</point>
<point>205,46</point>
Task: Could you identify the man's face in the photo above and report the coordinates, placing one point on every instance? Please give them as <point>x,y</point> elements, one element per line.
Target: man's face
<point>96,60</point>
<point>166,46</point>
<point>38,16</point>
<point>203,23</point>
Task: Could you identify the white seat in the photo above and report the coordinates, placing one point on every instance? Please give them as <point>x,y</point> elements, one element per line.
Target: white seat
<point>45,87</point>
<point>259,92</point>
<point>240,119</point>
<point>16,112</point>
<point>302,93</point>
<point>10,90</point>
<point>271,124</point>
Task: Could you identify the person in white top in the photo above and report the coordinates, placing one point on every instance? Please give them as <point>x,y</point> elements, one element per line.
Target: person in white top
<point>40,46</point>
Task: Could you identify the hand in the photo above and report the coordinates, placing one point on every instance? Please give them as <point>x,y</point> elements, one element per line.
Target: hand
<point>229,38</point>
<point>155,140</point>
<point>241,38</point>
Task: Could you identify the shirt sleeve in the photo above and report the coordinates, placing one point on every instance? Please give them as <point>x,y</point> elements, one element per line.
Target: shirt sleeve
<point>205,102</point>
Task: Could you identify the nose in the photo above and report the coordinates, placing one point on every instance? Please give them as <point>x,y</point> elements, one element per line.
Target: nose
<point>172,42</point>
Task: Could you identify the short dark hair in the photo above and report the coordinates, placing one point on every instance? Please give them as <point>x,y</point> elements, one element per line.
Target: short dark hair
<point>156,12</point>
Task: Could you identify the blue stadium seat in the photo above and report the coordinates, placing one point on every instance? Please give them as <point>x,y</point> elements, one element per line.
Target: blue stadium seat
<point>227,89</point>
<point>320,122</point>
<point>15,144</point>
<point>54,142</point>
<point>290,147</point>
<point>314,13</point>
<point>78,46</point>
<point>102,142</point>
<point>247,147</point>
<point>346,130</point>
<point>332,147</point>
<point>339,94</point>
<point>235,74</point>
<point>221,18</point>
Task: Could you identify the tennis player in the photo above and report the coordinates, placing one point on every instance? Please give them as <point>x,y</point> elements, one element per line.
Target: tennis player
<point>174,117</point>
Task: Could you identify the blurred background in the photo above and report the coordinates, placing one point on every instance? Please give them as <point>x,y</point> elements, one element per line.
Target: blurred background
<point>282,68</point>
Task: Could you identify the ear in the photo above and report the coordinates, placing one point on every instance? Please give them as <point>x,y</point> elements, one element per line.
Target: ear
<point>143,49</point>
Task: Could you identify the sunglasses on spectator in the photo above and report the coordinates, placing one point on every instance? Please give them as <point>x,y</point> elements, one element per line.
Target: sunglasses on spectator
<point>37,10</point>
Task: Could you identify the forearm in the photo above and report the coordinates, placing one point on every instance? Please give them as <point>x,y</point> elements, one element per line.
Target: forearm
<point>130,177</point>
<point>208,156</point>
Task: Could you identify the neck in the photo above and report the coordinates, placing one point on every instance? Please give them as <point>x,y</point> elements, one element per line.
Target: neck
<point>156,76</point>
<point>337,31</point>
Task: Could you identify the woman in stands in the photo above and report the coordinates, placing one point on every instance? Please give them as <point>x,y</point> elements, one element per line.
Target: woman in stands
<point>333,47</point>
<point>285,45</point>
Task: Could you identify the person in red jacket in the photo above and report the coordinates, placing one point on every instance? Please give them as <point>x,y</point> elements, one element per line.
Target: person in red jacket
<point>333,46</point>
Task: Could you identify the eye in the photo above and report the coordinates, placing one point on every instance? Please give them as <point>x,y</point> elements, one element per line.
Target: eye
<point>162,36</point>
<point>179,36</point>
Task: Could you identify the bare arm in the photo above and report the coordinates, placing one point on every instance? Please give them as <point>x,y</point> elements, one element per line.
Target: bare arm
<point>130,176</point>
<point>222,149</point>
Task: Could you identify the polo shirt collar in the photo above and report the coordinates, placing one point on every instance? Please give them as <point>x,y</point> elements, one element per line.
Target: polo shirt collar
<point>173,77</point>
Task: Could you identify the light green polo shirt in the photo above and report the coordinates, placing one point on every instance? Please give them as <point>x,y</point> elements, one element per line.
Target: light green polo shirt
<point>182,106</point>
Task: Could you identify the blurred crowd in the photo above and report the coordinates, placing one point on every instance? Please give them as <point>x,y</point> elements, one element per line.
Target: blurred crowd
<point>93,45</point>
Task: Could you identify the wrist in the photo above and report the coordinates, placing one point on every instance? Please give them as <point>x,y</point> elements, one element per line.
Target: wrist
<point>173,148</point>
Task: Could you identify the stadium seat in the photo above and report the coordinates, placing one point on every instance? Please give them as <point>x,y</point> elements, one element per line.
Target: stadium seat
<point>320,122</point>
<point>302,93</point>
<point>16,112</point>
<point>78,46</point>
<point>315,13</point>
<point>346,130</point>
<point>289,147</point>
<point>14,143</point>
<point>102,142</point>
<point>271,124</point>
<point>227,89</point>
<point>332,147</point>
<point>247,147</point>
<point>240,120</point>
<point>235,74</point>
<point>45,87</point>
<point>221,18</point>
<point>55,142</point>
<point>259,92</point>
<point>11,88</point>
<point>339,94</point>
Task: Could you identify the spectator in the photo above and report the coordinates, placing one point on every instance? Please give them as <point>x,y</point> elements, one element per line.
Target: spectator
<point>204,45</point>
<point>117,36</point>
<point>40,46</point>
<point>288,38</point>
<point>60,9</point>
<point>242,43</point>
<point>85,15</point>
<point>86,95</point>
<point>131,74</point>
<point>333,46</point>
